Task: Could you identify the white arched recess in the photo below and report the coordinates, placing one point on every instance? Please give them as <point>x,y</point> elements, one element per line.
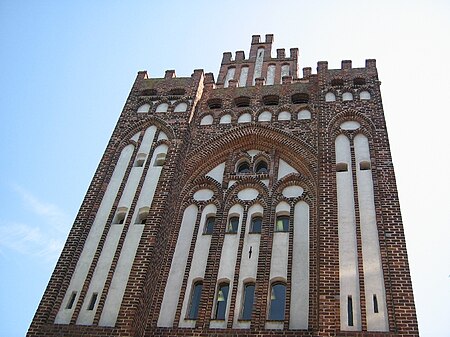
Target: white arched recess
<point>198,266</point>
<point>90,247</point>
<point>177,268</point>
<point>348,255</point>
<point>228,259</point>
<point>373,272</point>
<point>133,237</point>
<point>249,264</point>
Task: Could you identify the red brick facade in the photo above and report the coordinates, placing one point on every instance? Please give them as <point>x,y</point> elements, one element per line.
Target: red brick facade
<point>307,145</point>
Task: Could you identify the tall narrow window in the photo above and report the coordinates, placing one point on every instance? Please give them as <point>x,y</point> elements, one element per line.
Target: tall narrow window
<point>221,303</point>
<point>195,300</point>
<point>375,304</point>
<point>249,295</point>
<point>282,223</point>
<point>277,302</point>
<point>209,225</point>
<point>72,300</point>
<point>256,224</point>
<point>92,302</point>
<point>233,224</point>
<point>349,311</point>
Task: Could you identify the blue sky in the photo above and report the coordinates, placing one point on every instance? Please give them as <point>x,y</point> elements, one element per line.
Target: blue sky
<point>67,68</point>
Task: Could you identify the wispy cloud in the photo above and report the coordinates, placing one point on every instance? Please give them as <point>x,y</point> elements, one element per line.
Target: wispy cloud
<point>43,239</point>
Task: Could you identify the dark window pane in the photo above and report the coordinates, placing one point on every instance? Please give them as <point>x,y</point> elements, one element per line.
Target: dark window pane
<point>261,167</point>
<point>282,224</point>
<point>244,168</point>
<point>349,311</point>
<point>233,224</point>
<point>195,300</point>
<point>277,302</point>
<point>209,226</point>
<point>256,225</point>
<point>221,304</point>
<point>249,294</point>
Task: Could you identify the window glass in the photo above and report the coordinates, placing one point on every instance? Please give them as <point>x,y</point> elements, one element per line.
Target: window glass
<point>277,302</point>
<point>243,168</point>
<point>256,225</point>
<point>233,224</point>
<point>221,304</point>
<point>249,295</point>
<point>209,225</point>
<point>195,300</point>
<point>282,224</point>
<point>261,167</point>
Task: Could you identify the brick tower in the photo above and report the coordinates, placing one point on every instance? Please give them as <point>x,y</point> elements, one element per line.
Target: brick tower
<point>260,204</point>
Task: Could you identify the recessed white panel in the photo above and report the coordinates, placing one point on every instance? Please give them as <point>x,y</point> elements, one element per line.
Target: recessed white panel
<point>248,194</point>
<point>292,191</point>
<point>350,125</point>
<point>202,195</point>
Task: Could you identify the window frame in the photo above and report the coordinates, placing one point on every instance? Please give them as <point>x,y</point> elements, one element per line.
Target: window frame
<point>220,305</point>
<point>230,229</point>
<point>252,230</point>
<point>206,227</point>
<point>194,300</point>
<point>243,315</point>
<point>276,316</point>
<point>285,228</point>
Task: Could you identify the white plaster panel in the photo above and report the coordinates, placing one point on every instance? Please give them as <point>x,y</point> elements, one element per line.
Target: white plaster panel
<point>265,116</point>
<point>348,258</point>
<point>204,194</point>
<point>121,275</point>
<point>265,182</point>
<point>283,207</point>
<point>243,77</point>
<point>300,268</point>
<point>284,116</point>
<point>199,261</point>
<point>284,169</point>
<point>258,64</point>
<point>84,262</point>
<point>217,173</point>
<point>249,265</point>
<point>135,137</point>
<point>230,183</point>
<point>229,76</point>
<point>270,75</point>
<point>292,191</point>
<point>304,114</point>
<point>181,107</point>
<point>218,324</point>
<point>373,271</point>
<point>162,136</point>
<point>284,70</point>
<point>245,118</point>
<point>86,317</point>
<point>147,140</point>
<point>278,264</point>
<point>248,194</point>
<point>207,120</point>
<point>274,325</point>
<point>177,268</point>
<point>330,97</point>
<point>253,153</point>
<point>364,95</point>
<point>350,125</point>
<point>130,188</point>
<point>160,149</point>
<point>225,119</point>
<point>162,107</point>
<point>347,96</point>
<point>144,108</point>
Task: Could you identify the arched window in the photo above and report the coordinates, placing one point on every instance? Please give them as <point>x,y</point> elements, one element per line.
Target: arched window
<point>194,303</point>
<point>162,107</point>
<point>221,301</point>
<point>243,167</point>
<point>207,120</point>
<point>142,216</point>
<point>282,223</point>
<point>119,218</point>
<point>277,301</point>
<point>330,97</point>
<point>181,107</point>
<point>364,95</point>
<point>256,224</point>
<point>233,224</point>
<point>249,296</point>
<point>304,114</point>
<point>225,119</point>
<point>209,225</point>
<point>261,167</point>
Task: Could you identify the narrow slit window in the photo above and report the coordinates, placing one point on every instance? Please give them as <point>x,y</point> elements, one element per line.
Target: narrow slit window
<point>142,216</point>
<point>71,300</point>
<point>375,304</point>
<point>233,224</point>
<point>92,302</point>
<point>341,167</point>
<point>349,311</point>
<point>221,302</point>
<point>195,300</point>
<point>160,159</point>
<point>249,295</point>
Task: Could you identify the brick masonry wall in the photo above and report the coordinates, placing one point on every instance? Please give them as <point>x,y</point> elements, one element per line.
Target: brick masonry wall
<point>194,149</point>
